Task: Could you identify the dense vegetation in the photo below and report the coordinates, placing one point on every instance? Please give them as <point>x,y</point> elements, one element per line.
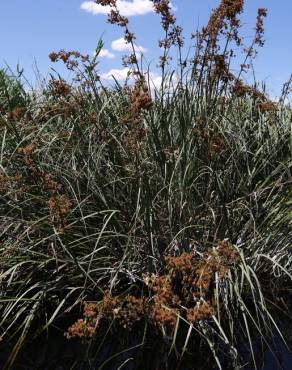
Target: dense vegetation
<point>143,220</point>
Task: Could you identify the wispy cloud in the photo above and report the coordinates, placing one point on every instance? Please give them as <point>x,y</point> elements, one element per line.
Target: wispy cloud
<point>155,80</point>
<point>118,74</point>
<point>126,8</point>
<point>105,53</point>
<point>122,45</point>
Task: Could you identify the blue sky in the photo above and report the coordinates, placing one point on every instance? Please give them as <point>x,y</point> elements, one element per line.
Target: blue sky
<point>31,29</point>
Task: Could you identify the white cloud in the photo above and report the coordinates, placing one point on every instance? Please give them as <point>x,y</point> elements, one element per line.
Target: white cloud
<point>155,82</point>
<point>118,74</point>
<point>105,53</point>
<point>126,8</point>
<point>155,79</point>
<point>122,45</point>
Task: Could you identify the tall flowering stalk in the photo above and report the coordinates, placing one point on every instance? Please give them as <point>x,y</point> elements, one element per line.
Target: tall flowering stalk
<point>115,17</point>
<point>172,37</point>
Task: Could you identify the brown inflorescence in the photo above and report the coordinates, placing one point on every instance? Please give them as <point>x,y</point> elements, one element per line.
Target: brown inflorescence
<point>132,138</point>
<point>268,106</point>
<point>130,311</point>
<point>263,103</point>
<point>115,17</point>
<point>59,88</point>
<point>85,328</point>
<point>106,2</point>
<point>188,283</point>
<point>202,310</point>
<point>9,182</point>
<point>59,207</point>
<point>162,7</point>
<point>4,182</point>
<point>163,315</point>
<point>126,310</point>
<point>48,182</point>
<point>228,254</point>
<point>240,89</point>
<point>185,289</point>
<point>262,13</point>
<point>62,107</point>
<point>139,99</point>
<point>221,68</point>
<point>69,58</point>
<point>27,152</point>
<point>173,32</point>
<point>83,66</point>
<point>226,13</point>
<point>17,114</point>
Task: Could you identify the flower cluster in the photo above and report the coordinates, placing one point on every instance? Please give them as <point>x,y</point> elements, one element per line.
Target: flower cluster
<point>83,65</point>
<point>220,69</point>
<point>84,328</point>
<point>202,310</point>
<point>63,107</point>
<point>115,17</point>
<point>173,32</point>
<point>228,255</point>
<point>27,152</point>
<point>132,138</point>
<point>263,103</point>
<point>69,58</point>
<point>268,106</point>
<point>48,182</point>
<point>4,182</point>
<point>240,89</point>
<point>186,288</point>
<point>224,17</point>
<point>187,285</point>
<point>139,99</point>
<point>59,207</point>
<point>129,311</point>
<point>9,182</point>
<point>262,13</point>
<point>162,7</point>
<point>17,114</point>
<point>106,2</point>
<point>126,310</point>
<point>59,88</point>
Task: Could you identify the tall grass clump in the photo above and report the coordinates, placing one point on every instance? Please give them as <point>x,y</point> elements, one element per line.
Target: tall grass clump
<point>150,223</point>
